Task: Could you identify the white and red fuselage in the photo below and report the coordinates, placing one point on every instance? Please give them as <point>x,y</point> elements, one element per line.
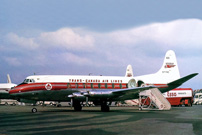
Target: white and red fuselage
<point>52,87</point>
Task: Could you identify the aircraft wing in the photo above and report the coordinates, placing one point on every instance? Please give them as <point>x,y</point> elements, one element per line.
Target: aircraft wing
<point>110,94</point>
<point>177,83</point>
<point>182,80</point>
<point>131,90</point>
<point>129,93</point>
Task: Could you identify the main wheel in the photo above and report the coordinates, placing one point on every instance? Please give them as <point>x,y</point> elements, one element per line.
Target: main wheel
<point>189,103</point>
<point>77,106</point>
<point>104,107</point>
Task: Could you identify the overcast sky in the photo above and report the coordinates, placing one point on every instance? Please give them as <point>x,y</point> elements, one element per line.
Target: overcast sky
<point>99,36</point>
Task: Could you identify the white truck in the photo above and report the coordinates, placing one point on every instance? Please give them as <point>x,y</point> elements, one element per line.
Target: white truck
<point>8,102</point>
<point>198,99</point>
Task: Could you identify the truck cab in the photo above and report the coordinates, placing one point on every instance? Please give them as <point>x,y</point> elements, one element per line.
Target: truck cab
<point>198,98</point>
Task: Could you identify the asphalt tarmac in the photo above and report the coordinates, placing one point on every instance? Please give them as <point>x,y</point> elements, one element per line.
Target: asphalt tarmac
<point>18,120</point>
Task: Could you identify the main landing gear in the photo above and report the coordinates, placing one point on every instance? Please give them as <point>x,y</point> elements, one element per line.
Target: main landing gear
<point>104,106</point>
<point>77,105</point>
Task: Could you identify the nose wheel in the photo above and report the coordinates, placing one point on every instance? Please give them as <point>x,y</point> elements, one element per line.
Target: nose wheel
<point>34,110</point>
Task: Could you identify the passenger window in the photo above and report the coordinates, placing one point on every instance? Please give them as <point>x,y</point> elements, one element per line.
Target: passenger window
<point>120,86</point>
<point>113,85</point>
<point>105,85</point>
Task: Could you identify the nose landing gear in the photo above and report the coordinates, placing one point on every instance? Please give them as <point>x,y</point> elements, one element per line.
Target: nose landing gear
<point>34,110</point>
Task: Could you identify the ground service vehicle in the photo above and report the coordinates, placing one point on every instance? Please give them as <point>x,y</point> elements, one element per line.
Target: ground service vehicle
<point>176,97</point>
<point>180,96</point>
<point>198,98</point>
<point>8,102</point>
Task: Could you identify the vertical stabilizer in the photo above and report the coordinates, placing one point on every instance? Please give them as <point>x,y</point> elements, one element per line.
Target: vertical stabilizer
<point>8,78</point>
<point>169,69</point>
<point>129,71</point>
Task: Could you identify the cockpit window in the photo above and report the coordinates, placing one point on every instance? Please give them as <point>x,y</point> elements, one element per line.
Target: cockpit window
<point>28,81</point>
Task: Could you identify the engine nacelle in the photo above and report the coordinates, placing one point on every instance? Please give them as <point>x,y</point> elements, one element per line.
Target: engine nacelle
<point>27,101</point>
<point>140,84</point>
<point>99,94</point>
<point>132,83</point>
<point>77,96</point>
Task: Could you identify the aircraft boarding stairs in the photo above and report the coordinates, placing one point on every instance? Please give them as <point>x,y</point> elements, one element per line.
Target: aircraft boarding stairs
<point>153,99</point>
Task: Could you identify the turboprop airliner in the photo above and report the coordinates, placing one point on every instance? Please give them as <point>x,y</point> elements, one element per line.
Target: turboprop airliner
<point>98,89</point>
<point>5,87</point>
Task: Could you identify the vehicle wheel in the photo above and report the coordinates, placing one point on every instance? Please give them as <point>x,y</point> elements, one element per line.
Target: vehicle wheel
<point>14,104</point>
<point>189,103</point>
<point>59,105</point>
<point>6,103</point>
<point>183,102</point>
<point>34,110</point>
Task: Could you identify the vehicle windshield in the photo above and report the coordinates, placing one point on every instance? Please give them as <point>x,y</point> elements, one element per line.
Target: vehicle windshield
<point>196,96</point>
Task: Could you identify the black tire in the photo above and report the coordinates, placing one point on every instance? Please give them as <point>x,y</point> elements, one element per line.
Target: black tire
<point>34,110</point>
<point>59,105</point>
<point>77,105</point>
<point>104,108</point>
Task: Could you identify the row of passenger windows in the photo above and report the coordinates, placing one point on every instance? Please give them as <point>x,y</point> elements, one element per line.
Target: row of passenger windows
<point>98,85</point>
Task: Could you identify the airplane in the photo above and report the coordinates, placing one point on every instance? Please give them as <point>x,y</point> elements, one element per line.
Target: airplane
<point>5,88</point>
<point>101,90</point>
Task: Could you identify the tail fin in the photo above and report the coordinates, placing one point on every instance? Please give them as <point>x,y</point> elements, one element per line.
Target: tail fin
<point>8,78</point>
<point>169,70</point>
<point>129,71</point>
